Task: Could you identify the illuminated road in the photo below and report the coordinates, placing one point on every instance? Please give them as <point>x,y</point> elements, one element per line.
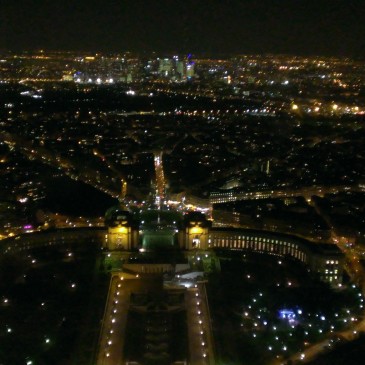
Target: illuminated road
<point>160,179</point>
<point>111,342</point>
<point>199,329</point>
<point>112,336</point>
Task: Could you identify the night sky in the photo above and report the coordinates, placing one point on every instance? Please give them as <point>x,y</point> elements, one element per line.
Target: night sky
<point>303,27</point>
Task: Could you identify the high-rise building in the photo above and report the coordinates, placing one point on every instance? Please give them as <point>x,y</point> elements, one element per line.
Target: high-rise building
<point>190,69</point>
<point>165,66</point>
<point>180,69</point>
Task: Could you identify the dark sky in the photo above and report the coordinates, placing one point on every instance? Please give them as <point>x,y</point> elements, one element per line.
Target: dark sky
<point>328,27</point>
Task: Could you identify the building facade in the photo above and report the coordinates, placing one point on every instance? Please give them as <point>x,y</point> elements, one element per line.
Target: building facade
<point>122,234</point>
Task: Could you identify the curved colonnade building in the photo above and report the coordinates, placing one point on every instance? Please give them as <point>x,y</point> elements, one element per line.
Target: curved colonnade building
<point>122,234</point>
<point>127,302</point>
<point>324,260</point>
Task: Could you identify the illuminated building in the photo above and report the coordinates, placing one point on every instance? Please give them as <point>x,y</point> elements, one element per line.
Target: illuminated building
<point>231,195</point>
<point>324,260</point>
<point>190,70</point>
<point>165,66</point>
<point>225,195</point>
<point>137,292</point>
<point>196,231</point>
<point>122,233</point>
<point>180,69</point>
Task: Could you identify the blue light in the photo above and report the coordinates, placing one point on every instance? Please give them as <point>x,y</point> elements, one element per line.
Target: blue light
<point>287,314</point>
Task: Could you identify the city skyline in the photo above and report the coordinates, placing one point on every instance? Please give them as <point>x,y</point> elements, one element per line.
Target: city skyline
<point>291,27</point>
<point>171,208</point>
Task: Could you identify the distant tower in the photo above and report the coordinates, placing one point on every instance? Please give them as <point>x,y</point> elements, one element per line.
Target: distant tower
<point>196,231</point>
<point>190,70</point>
<point>180,69</point>
<point>122,232</point>
<point>190,67</point>
<point>165,66</point>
